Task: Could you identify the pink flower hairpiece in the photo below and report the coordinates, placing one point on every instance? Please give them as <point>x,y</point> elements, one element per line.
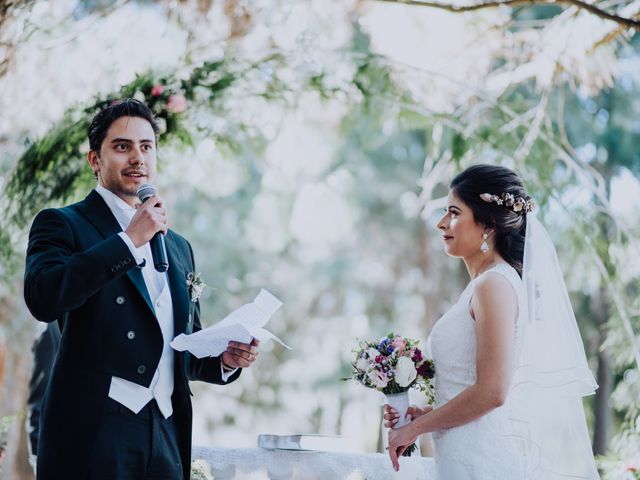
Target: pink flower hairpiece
<point>515,204</point>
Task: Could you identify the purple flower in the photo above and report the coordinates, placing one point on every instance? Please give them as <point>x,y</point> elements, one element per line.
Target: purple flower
<point>417,356</point>
<point>385,346</point>
<point>426,370</point>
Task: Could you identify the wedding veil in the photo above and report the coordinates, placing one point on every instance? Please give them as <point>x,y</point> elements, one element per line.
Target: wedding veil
<point>551,374</point>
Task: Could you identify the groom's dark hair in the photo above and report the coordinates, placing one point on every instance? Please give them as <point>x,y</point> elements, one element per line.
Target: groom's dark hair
<point>119,108</point>
<point>509,226</point>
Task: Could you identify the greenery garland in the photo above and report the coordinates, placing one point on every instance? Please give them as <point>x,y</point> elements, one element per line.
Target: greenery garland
<point>53,169</point>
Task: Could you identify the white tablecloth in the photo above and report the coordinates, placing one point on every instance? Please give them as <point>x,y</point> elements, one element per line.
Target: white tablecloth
<point>259,464</point>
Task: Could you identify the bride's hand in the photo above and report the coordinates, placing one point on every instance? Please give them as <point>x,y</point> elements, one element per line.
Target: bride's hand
<point>392,416</point>
<point>399,440</point>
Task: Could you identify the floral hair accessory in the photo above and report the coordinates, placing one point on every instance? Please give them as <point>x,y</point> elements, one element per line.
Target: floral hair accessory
<point>515,204</point>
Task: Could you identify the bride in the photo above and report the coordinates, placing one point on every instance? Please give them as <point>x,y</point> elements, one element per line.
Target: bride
<point>510,365</point>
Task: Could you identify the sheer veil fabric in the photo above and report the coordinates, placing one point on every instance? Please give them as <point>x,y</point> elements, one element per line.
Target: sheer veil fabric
<point>551,373</point>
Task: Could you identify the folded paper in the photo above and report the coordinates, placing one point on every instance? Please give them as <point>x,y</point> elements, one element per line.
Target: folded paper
<point>241,325</point>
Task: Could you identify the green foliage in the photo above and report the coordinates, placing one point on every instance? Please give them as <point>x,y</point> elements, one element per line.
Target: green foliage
<point>48,169</point>
<point>609,123</point>
<point>623,460</point>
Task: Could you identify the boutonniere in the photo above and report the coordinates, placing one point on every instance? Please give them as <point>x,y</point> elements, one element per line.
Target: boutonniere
<point>195,285</point>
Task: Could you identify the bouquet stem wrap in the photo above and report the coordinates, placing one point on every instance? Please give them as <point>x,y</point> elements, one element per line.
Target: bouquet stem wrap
<point>400,401</point>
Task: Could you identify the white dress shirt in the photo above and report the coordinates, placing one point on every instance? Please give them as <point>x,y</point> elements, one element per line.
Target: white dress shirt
<point>130,394</point>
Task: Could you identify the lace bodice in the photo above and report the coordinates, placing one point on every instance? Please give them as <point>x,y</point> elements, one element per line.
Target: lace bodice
<point>480,449</point>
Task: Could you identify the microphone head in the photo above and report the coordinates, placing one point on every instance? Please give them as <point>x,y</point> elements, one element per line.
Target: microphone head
<point>145,191</point>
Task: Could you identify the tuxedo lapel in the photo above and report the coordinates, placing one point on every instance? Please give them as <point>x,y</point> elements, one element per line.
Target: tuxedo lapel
<point>178,286</point>
<point>96,211</point>
<point>135,275</point>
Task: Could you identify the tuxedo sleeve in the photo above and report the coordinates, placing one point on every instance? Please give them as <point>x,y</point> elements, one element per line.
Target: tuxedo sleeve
<point>208,369</point>
<point>58,277</point>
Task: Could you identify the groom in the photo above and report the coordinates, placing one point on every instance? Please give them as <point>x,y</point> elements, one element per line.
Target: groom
<point>118,403</point>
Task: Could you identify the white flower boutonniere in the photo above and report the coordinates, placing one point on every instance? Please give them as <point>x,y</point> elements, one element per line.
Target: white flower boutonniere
<point>195,285</point>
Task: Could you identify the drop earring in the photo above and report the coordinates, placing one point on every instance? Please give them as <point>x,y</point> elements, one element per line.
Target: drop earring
<point>484,246</point>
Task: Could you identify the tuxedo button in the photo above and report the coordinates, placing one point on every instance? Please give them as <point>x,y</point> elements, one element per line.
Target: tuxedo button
<point>131,334</point>
<point>127,261</point>
<point>119,299</point>
<point>114,269</point>
<point>142,369</point>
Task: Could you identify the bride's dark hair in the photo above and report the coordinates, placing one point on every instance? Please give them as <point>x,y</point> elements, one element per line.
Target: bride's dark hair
<point>509,226</point>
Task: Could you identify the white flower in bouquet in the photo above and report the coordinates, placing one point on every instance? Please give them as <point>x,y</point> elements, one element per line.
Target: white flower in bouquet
<point>378,379</point>
<point>373,353</point>
<point>406,372</point>
<point>362,364</point>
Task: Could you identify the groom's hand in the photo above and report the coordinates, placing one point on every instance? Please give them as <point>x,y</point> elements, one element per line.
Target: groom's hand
<point>150,218</point>
<point>240,355</point>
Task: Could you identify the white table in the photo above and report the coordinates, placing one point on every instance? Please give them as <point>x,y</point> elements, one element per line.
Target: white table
<point>259,464</point>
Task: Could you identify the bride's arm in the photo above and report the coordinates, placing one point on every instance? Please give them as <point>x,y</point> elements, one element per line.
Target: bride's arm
<point>494,307</point>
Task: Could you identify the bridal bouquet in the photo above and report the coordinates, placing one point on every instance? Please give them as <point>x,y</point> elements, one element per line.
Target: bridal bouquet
<point>393,365</point>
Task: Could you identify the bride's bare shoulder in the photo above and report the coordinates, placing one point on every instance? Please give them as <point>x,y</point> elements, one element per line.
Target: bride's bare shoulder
<point>492,292</point>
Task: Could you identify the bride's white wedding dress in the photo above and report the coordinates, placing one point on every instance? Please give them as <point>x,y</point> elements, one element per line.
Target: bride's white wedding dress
<point>483,449</point>
<point>540,433</point>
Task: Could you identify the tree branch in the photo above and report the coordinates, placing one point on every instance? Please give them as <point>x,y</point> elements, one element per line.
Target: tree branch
<point>627,22</point>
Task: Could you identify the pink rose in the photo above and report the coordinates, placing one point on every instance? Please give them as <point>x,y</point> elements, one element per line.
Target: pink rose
<point>176,103</point>
<point>157,90</point>
<point>379,359</point>
<point>398,344</point>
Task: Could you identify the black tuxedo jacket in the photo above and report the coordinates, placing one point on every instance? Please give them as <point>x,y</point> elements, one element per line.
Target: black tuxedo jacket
<point>79,269</point>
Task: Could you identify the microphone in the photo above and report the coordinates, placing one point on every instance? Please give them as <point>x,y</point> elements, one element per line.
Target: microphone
<point>158,249</point>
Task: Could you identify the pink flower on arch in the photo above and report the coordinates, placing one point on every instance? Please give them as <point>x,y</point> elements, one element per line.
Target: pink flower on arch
<point>176,103</point>
<point>157,90</point>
